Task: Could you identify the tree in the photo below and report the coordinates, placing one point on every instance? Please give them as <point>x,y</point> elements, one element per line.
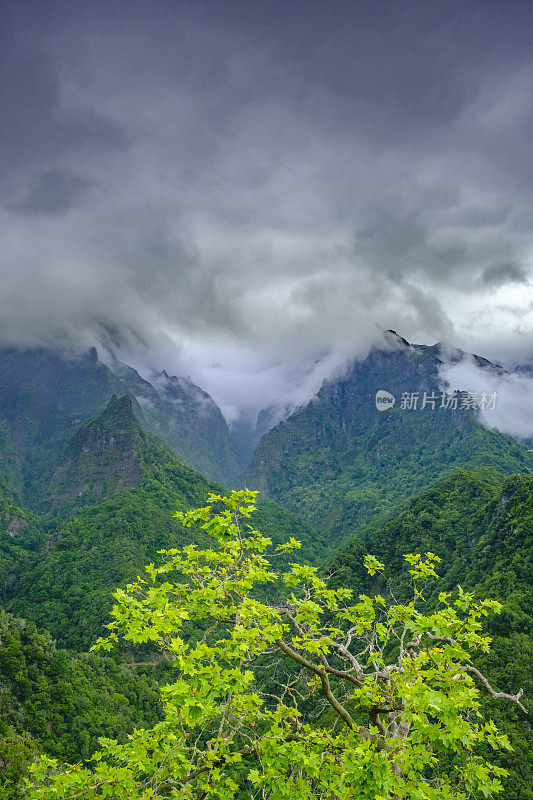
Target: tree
<point>320,695</point>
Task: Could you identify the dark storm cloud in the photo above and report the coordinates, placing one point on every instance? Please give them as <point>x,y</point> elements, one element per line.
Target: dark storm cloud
<point>54,191</point>
<point>267,184</point>
<point>500,274</point>
<point>35,124</point>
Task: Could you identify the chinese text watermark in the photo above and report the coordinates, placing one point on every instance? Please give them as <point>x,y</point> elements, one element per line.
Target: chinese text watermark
<point>450,401</point>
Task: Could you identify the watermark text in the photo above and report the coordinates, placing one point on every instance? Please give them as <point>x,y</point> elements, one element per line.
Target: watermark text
<point>450,401</point>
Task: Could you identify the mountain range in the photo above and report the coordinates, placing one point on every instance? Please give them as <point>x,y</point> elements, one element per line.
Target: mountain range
<point>95,459</point>
<point>46,395</point>
<point>340,459</point>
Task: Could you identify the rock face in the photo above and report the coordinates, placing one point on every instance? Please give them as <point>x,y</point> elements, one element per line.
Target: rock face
<point>101,460</point>
<point>15,525</point>
<point>188,420</point>
<point>45,396</point>
<point>340,460</point>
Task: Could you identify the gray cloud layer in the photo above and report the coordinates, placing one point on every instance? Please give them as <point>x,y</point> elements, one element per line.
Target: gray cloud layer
<point>245,191</point>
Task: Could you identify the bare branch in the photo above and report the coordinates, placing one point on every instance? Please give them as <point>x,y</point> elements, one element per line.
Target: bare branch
<point>514,698</point>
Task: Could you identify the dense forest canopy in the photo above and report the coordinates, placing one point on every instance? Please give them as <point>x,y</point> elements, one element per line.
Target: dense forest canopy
<point>108,490</point>
<point>393,692</point>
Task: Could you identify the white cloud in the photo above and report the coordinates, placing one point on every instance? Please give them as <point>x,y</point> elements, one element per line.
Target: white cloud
<point>513,409</point>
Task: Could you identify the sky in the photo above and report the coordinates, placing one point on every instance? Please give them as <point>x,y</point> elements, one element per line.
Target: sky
<point>249,192</point>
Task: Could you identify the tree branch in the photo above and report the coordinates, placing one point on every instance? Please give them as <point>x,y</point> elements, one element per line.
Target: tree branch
<point>514,698</point>
<point>321,672</point>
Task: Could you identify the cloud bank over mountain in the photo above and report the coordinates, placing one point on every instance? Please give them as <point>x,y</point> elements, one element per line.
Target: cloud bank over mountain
<point>250,192</point>
<point>510,410</point>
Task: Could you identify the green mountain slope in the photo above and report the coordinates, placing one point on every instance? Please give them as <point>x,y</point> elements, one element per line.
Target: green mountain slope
<point>10,465</point>
<point>102,458</point>
<point>339,461</point>
<point>22,538</point>
<point>67,589</point>
<point>55,702</point>
<point>45,396</point>
<point>187,419</point>
<point>481,524</point>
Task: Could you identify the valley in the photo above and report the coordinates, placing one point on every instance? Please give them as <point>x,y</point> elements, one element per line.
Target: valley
<point>95,460</point>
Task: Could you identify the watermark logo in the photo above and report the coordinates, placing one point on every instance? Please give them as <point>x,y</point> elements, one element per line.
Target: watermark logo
<point>384,400</point>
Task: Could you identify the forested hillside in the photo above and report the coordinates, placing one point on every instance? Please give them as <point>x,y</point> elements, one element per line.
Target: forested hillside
<point>88,494</point>
<point>108,509</point>
<point>428,687</point>
<point>340,461</point>
<point>46,394</point>
<point>22,539</point>
<point>480,523</point>
<point>61,703</point>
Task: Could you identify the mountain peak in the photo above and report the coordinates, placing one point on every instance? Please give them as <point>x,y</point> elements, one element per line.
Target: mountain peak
<point>391,337</point>
<point>92,354</point>
<point>102,457</point>
<point>343,458</point>
<point>119,405</point>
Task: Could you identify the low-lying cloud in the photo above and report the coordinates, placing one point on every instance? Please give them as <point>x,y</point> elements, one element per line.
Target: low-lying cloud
<point>248,193</point>
<point>511,410</point>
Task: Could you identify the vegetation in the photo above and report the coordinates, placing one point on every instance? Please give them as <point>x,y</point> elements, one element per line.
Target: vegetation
<point>22,537</point>
<point>53,700</point>
<point>375,697</point>
<point>66,587</point>
<point>481,524</point>
<point>102,496</point>
<point>339,462</point>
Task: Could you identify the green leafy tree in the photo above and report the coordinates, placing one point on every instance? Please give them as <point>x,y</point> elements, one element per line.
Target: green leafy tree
<point>320,695</point>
